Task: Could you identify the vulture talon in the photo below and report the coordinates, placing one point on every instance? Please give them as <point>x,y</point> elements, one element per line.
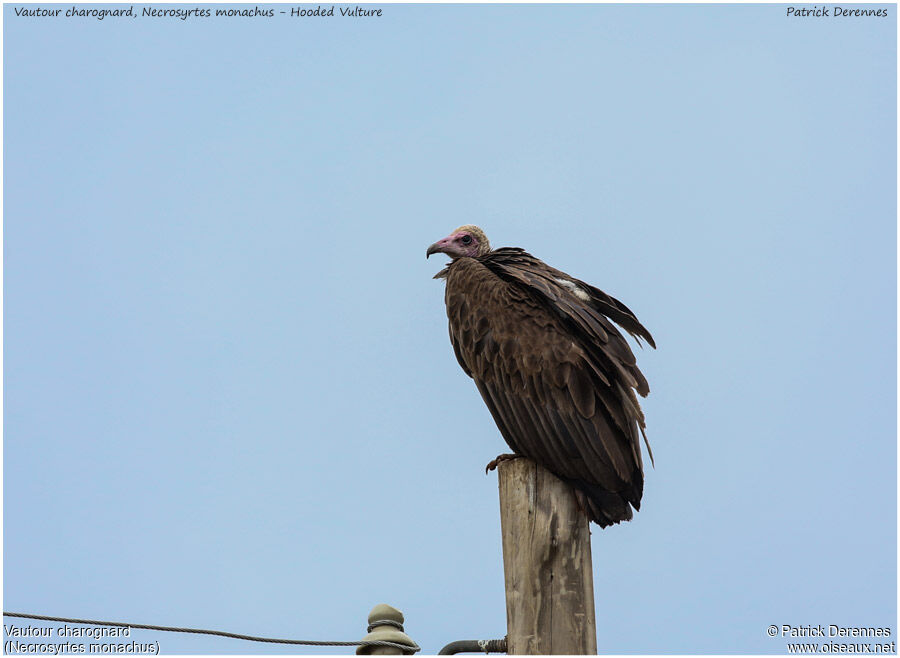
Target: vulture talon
<point>493,464</point>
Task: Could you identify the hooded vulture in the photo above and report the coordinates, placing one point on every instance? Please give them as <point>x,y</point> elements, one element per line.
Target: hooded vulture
<point>557,376</point>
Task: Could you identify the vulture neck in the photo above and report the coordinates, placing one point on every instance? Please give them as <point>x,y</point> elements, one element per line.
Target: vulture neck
<point>446,271</point>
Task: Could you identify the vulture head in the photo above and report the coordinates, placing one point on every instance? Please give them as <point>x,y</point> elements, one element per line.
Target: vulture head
<point>467,241</point>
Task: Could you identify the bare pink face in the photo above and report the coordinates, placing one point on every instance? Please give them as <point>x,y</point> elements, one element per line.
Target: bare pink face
<point>456,245</point>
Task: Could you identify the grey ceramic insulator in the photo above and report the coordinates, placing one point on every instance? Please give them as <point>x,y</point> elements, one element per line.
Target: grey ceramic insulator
<point>387,632</point>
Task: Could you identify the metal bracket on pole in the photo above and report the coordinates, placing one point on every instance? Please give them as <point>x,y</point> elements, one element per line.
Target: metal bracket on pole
<point>474,646</point>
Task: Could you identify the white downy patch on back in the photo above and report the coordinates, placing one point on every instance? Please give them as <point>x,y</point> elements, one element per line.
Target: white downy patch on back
<point>578,292</point>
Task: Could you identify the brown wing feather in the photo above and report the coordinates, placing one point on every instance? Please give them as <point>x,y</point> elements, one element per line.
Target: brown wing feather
<point>553,371</point>
<point>606,304</point>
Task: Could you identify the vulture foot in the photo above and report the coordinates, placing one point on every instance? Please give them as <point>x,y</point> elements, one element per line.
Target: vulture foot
<point>500,458</point>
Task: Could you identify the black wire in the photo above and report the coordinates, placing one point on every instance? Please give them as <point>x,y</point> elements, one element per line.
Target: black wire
<point>237,636</point>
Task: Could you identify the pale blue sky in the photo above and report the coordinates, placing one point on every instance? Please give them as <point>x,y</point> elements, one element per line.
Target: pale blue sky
<point>230,399</point>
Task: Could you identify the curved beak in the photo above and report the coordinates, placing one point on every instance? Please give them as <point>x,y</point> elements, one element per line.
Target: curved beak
<point>433,249</point>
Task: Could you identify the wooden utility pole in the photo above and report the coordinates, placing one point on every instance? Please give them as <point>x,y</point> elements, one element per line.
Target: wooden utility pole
<point>546,563</point>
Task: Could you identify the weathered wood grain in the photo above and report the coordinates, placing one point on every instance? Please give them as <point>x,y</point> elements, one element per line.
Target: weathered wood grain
<point>546,563</point>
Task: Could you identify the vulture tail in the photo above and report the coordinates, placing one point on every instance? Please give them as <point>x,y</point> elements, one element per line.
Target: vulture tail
<point>604,508</point>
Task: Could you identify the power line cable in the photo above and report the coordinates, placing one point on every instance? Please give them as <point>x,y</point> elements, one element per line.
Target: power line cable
<point>237,636</point>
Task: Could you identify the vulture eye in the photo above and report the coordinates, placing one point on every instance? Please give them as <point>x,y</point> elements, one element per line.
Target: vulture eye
<point>467,239</point>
